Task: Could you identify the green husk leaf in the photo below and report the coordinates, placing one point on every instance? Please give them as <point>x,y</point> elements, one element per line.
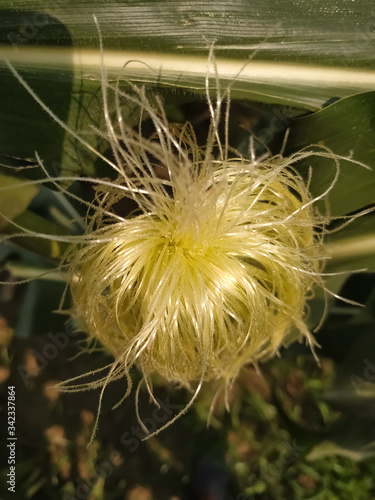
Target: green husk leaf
<point>347,128</point>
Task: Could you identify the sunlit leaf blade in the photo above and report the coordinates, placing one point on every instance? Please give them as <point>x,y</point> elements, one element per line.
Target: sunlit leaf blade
<point>338,33</point>
<point>303,53</point>
<point>305,85</point>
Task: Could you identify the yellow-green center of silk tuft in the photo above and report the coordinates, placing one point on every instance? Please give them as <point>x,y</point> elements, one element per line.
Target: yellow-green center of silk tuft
<point>210,278</point>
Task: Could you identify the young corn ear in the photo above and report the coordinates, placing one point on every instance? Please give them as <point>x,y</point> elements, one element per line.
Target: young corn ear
<point>212,269</point>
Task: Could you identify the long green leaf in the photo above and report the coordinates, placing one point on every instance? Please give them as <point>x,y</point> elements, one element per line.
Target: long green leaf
<point>304,53</point>
<point>347,128</point>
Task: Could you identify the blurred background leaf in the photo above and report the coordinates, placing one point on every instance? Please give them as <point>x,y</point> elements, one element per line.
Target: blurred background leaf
<point>14,198</point>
